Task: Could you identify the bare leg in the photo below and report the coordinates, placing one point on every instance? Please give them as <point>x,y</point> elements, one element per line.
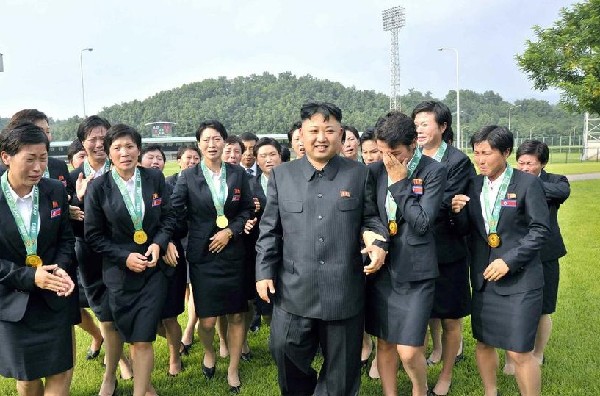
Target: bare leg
<point>367,347</point>
<point>235,339</point>
<point>188,334</point>
<point>487,363</point>
<point>222,332</point>
<point>543,335</point>
<point>143,363</point>
<point>89,326</point>
<point>387,362</point>
<point>451,337</point>
<point>173,335</point>
<point>125,367</point>
<point>413,360</point>
<point>435,329</point>
<point>527,373</point>
<point>59,384</point>
<point>206,332</point>
<point>248,316</point>
<point>373,372</point>
<point>113,348</point>
<point>30,388</point>
<point>509,366</point>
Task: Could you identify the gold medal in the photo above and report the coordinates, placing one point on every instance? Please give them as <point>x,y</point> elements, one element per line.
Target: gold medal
<point>140,237</point>
<point>222,221</point>
<point>494,240</point>
<point>393,227</point>
<point>33,260</point>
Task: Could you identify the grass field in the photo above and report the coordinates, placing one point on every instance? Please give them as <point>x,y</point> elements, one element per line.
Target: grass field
<point>572,359</point>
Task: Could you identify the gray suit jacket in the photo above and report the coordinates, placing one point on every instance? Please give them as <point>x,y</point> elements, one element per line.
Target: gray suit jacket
<point>310,237</point>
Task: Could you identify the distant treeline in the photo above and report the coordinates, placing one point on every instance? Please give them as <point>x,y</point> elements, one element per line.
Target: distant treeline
<point>270,104</point>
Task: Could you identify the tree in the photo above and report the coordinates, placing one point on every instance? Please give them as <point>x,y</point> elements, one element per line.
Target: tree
<point>566,56</point>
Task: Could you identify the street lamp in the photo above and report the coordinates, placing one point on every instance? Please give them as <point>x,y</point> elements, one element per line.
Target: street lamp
<point>1,64</point>
<point>82,85</point>
<point>511,107</point>
<point>458,132</point>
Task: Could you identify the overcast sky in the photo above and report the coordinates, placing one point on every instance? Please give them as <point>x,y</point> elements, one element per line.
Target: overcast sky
<point>143,47</point>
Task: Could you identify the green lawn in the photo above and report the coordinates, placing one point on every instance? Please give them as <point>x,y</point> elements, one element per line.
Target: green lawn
<point>572,358</point>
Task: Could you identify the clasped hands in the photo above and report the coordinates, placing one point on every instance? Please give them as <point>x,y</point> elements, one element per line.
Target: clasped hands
<point>53,278</point>
<point>138,262</point>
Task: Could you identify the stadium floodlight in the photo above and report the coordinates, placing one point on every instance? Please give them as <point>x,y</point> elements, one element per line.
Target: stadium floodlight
<point>393,20</point>
<point>82,85</point>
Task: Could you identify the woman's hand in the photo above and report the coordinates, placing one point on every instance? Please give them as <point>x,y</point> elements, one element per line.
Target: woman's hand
<point>136,262</point>
<point>250,225</point>
<point>53,278</point>
<point>496,270</point>
<point>67,281</point>
<point>220,240</point>
<point>171,256</point>
<point>152,254</point>
<point>256,204</point>
<point>459,202</point>
<point>396,170</point>
<point>75,213</point>
<point>81,185</point>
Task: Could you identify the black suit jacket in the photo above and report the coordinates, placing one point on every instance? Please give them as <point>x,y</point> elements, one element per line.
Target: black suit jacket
<point>523,230</point>
<point>557,190</point>
<point>58,170</point>
<point>108,228</point>
<point>172,180</point>
<point>55,246</point>
<point>412,256</point>
<point>310,237</point>
<point>449,245</point>
<point>192,202</point>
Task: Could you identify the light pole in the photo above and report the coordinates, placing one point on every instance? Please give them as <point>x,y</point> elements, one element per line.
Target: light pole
<point>509,109</point>
<point>1,64</point>
<point>82,85</point>
<point>458,131</point>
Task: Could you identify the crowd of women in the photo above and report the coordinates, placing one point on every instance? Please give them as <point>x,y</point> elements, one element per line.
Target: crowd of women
<point>138,246</point>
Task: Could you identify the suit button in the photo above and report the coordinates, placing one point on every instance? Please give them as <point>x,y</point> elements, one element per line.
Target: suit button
<point>320,195</point>
<point>321,239</point>
<point>321,262</point>
<point>320,217</point>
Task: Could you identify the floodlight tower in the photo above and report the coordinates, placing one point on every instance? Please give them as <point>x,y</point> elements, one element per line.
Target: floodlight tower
<point>393,20</point>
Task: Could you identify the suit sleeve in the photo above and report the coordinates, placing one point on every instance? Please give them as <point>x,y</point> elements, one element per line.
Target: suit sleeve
<point>65,243</point>
<point>420,214</point>
<point>457,182</point>
<point>558,190</point>
<point>179,199</point>
<point>371,219</point>
<point>246,210</point>
<point>539,228</point>
<point>96,228</point>
<point>17,277</point>
<point>167,216</point>
<point>270,240</point>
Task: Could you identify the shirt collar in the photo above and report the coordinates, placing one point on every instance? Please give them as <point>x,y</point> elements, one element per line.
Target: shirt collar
<point>15,196</point>
<point>329,170</point>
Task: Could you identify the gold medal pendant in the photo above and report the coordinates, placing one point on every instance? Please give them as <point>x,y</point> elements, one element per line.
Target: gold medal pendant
<point>222,221</point>
<point>140,237</point>
<point>33,260</point>
<point>494,240</point>
<point>393,227</point>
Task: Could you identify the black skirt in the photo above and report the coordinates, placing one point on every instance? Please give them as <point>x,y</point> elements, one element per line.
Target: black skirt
<point>177,283</point>
<point>39,345</point>
<point>506,322</point>
<point>452,297</point>
<point>551,277</point>
<point>398,312</point>
<point>137,313</point>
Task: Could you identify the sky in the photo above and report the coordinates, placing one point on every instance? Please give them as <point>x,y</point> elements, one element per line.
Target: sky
<point>143,47</point>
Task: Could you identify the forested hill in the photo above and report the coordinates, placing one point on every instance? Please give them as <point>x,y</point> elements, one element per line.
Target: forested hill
<point>270,104</point>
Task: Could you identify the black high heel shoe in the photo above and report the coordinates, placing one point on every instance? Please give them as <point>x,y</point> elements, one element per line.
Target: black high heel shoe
<point>115,391</point>
<point>209,372</point>
<point>184,349</point>
<point>235,390</point>
<point>91,354</point>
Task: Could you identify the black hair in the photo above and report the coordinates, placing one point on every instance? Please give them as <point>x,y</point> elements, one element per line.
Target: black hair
<point>498,137</point>
<point>90,123</point>
<point>187,147</point>
<point>534,147</point>
<point>295,125</point>
<point>325,109</point>
<point>267,141</point>
<point>153,147</point>
<point>27,115</point>
<point>246,136</point>
<point>234,139</point>
<point>442,115</point>
<point>351,129</point>
<point>73,149</point>
<point>214,124</point>
<point>395,129</point>
<point>285,154</point>
<point>368,134</point>
<point>20,134</point>
<point>121,130</point>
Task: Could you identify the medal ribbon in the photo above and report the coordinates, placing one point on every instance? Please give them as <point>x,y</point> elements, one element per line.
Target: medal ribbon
<point>29,237</point>
<point>264,182</point>
<point>135,211</point>
<point>493,214</point>
<point>219,195</point>
<point>88,170</point>
<point>439,154</point>
<point>391,207</point>
<point>46,173</point>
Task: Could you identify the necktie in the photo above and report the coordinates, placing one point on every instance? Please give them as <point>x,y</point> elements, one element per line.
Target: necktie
<point>250,171</point>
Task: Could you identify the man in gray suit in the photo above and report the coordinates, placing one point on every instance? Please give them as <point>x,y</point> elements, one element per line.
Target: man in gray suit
<point>309,258</point>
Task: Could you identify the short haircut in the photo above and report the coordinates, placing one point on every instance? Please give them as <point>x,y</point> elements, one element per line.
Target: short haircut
<point>187,147</point>
<point>395,129</point>
<point>368,134</point>
<point>535,147</point>
<point>13,138</point>
<point>246,136</point>
<point>325,109</point>
<point>351,129</point>
<point>120,131</point>
<point>234,139</point>
<point>90,123</point>
<point>214,124</point>
<point>285,154</point>
<point>290,134</point>
<point>498,137</point>
<point>153,147</point>
<point>73,149</point>
<point>267,141</point>
<point>28,115</point>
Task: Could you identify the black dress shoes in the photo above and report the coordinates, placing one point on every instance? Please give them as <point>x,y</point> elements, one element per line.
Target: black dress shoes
<point>209,372</point>
<point>235,390</point>
<point>91,354</point>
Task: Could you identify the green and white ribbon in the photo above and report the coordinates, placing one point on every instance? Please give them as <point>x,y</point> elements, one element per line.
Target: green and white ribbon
<point>218,192</point>
<point>89,171</point>
<point>493,214</point>
<point>439,154</point>
<point>264,182</point>
<point>29,237</point>
<point>134,208</point>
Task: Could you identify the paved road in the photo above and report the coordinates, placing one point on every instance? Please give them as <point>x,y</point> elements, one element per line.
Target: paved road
<point>584,176</point>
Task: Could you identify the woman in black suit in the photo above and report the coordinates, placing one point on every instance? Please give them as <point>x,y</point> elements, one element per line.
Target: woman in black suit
<point>410,188</point>
<point>215,199</point>
<point>36,245</point>
<point>129,222</point>
<point>505,213</point>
